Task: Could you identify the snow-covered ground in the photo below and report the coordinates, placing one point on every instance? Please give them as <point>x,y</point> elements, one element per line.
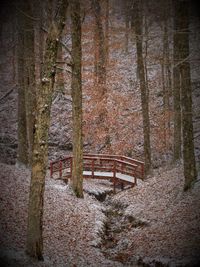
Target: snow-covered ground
<point>171,216</point>
<point>73,228</point>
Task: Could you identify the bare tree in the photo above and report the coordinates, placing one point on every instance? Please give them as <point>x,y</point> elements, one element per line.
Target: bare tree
<point>182,13</point>
<point>29,77</point>
<point>34,246</point>
<point>127,23</point>
<point>177,89</point>
<point>107,32</point>
<point>76,88</point>
<point>101,59</point>
<point>26,81</point>
<point>166,76</point>
<point>22,153</point>
<point>143,87</point>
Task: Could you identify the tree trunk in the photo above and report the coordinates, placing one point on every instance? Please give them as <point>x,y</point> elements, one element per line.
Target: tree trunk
<point>60,78</point>
<point>22,153</point>
<point>14,50</point>
<point>38,12</point>
<point>96,57</point>
<point>168,80</point>
<point>146,54</point>
<point>77,166</point>
<point>34,246</point>
<point>127,20</point>
<point>164,100</point>
<point>29,77</point>
<point>164,84</point>
<point>143,88</point>
<point>190,174</point>
<point>26,82</point>
<point>176,88</point>
<point>107,33</point>
<point>101,74</point>
<point>101,68</point>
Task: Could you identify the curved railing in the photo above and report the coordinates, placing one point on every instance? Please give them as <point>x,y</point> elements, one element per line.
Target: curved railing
<point>119,168</point>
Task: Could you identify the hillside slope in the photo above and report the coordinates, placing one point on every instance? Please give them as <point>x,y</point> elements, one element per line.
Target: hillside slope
<point>158,222</point>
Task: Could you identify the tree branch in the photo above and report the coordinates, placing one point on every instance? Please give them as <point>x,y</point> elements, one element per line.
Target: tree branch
<point>7,93</point>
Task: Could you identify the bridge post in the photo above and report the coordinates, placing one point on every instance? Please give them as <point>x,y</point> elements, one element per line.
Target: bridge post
<point>122,167</point>
<point>93,168</point>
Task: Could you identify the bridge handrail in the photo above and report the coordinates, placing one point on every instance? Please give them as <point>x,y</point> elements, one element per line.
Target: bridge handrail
<point>140,164</point>
<point>135,165</point>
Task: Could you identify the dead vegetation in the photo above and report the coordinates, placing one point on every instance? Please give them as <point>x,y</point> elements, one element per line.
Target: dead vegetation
<point>152,223</point>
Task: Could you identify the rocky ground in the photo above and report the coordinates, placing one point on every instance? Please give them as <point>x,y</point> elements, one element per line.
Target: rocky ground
<point>153,224</point>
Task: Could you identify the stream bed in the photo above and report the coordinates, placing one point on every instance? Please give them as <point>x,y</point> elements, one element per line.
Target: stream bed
<point>115,243</point>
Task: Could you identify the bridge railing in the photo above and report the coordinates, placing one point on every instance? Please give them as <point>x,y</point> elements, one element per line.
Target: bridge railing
<point>105,164</point>
<point>139,172</point>
<point>61,165</point>
<point>100,163</point>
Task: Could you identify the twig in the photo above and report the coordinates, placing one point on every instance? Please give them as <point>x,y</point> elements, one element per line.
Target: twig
<point>198,135</point>
<point>7,93</point>
<point>25,14</point>
<point>180,62</point>
<point>66,48</point>
<point>61,42</point>
<point>44,29</point>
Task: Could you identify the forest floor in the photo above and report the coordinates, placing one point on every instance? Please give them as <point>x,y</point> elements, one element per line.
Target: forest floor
<point>152,224</point>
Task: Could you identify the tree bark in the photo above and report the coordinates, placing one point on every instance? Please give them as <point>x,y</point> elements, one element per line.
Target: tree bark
<point>146,54</point>
<point>29,77</point>
<point>107,32</point>
<point>168,79</point>
<point>127,20</point>
<point>165,83</point>
<point>101,65</point>
<point>164,101</point>
<point>96,57</point>
<point>176,88</point>
<point>34,246</point>
<point>38,12</point>
<point>76,88</point>
<point>143,88</point>
<point>182,9</point>
<point>22,153</point>
<point>101,73</point>
<point>26,82</point>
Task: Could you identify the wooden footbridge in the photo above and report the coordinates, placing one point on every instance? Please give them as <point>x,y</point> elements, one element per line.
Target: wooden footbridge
<point>120,170</point>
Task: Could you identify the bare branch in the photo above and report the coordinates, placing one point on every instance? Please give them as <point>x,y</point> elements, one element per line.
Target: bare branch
<point>25,14</point>
<point>195,137</point>
<point>7,93</point>
<point>180,62</point>
<point>61,43</point>
<point>65,47</point>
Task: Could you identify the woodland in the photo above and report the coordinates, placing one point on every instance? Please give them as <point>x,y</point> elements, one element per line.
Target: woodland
<point>99,77</point>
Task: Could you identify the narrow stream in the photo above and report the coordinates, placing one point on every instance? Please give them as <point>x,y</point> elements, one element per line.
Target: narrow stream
<point>115,244</point>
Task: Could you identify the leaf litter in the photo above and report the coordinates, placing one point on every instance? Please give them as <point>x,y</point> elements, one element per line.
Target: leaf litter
<point>160,222</point>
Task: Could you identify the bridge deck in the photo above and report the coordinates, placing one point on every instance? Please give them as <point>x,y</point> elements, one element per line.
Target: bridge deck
<point>121,176</point>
